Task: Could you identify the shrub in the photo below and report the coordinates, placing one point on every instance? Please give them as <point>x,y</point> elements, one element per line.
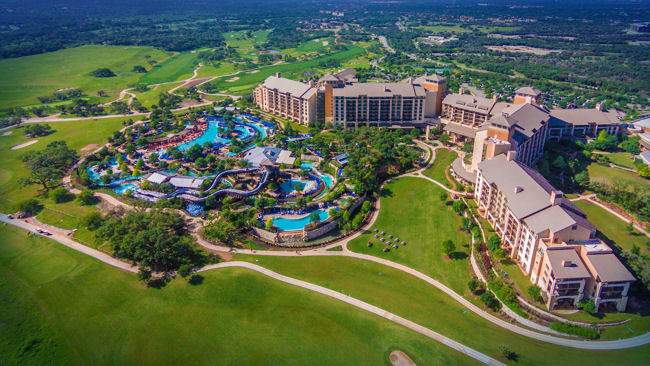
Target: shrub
<point>448,247</point>
<point>508,353</point>
<point>587,306</point>
<point>474,285</point>
<point>87,198</point>
<point>490,301</point>
<point>102,73</point>
<point>185,270</point>
<point>535,292</point>
<point>584,332</point>
<point>92,221</point>
<point>494,242</point>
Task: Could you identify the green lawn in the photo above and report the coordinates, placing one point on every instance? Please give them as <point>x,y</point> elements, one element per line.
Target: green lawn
<point>610,175</point>
<point>247,82</point>
<point>150,97</point>
<point>409,297</point>
<point>436,171</point>
<point>77,134</point>
<point>623,159</point>
<point>612,228</point>
<point>25,78</point>
<point>62,307</point>
<point>209,70</point>
<point>411,210</point>
<point>176,68</point>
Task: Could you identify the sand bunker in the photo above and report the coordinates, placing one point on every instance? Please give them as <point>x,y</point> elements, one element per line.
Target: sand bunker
<point>24,145</point>
<point>399,358</point>
<point>234,78</point>
<point>325,43</point>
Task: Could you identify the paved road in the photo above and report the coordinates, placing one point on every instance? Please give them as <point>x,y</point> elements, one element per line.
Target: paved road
<point>593,345</point>
<point>384,43</point>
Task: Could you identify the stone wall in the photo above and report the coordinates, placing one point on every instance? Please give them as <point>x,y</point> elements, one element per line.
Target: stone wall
<point>266,235</point>
<point>310,157</point>
<point>320,231</point>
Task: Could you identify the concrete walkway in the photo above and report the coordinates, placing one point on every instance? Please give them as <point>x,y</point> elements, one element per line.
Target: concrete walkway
<point>590,198</point>
<point>595,345</point>
<point>364,306</point>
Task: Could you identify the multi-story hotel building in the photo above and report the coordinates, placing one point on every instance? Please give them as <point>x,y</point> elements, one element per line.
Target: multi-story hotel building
<point>543,232</point>
<point>582,123</point>
<point>287,98</point>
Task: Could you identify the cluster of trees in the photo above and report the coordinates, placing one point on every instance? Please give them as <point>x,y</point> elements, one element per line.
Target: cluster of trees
<point>157,241</point>
<point>61,96</point>
<point>285,35</point>
<point>215,55</point>
<point>103,72</point>
<point>48,166</point>
<point>37,130</point>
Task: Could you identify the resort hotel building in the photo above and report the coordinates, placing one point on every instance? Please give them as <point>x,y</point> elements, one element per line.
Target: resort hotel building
<point>340,99</point>
<point>549,237</point>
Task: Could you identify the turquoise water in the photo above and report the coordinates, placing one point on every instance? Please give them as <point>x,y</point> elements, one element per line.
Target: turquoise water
<point>125,187</point>
<point>211,134</point>
<point>115,167</point>
<point>297,224</point>
<point>306,165</point>
<point>327,179</point>
<point>287,186</point>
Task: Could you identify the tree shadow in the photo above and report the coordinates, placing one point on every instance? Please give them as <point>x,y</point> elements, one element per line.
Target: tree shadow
<point>458,255</point>
<point>157,283</point>
<point>386,192</point>
<point>195,280</point>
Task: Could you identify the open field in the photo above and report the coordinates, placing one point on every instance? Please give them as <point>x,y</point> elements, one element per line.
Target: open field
<point>600,173</point>
<point>411,210</point>
<point>66,308</point>
<point>613,228</point>
<point>436,171</point>
<point>25,78</point>
<point>178,67</point>
<point>623,159</point>
<point>247,82</point>
<point>150,97</point>
<point>77,134</point>
<point>409,297</point>
<point>243,44</point>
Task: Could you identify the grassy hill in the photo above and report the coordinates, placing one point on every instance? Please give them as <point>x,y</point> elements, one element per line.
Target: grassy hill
<point>24,79</point>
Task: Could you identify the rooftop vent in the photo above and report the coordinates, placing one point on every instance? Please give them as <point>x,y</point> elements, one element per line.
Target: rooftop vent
<point>566,263</point>
<point>518,189</point>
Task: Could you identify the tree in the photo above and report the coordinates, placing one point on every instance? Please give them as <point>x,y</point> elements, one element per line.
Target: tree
<point>269,224</point>
<point>459,207</point>
<point>474,285</point>
<point>139,69</point>
<point>443,196</point>
<point>103,72</point>
<point>582,179</point>
<point>494,242</point>
<point>314,217</point>
<point>448,247</point>
<point>47,167</point>
<point>194,152</point>
<point>92,221</point>
<point>490,301</point>
<point>87,198</point>
<point>185,270</point>
<point>60,195</point>
<point>30,206</point>
<point>444,138</point>
<point>587,306</point>
<point>508,353</point>
<point>37,129</point>
<point>535,292</point>
<point>144,274</point>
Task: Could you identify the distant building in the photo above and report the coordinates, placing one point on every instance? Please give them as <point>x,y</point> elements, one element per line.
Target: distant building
<point>527,94</point>
<point>463,114</point>
<point>287,98</point>
<point>581,123</point>
<point>640,27</point>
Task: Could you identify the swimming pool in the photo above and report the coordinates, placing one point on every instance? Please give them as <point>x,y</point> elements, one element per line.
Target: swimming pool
<point>125,187</point>
<point>211,134</point>
<point>297,224</point>
<point>113,165</point>
<point>288,186</point>
<point>306,166</point>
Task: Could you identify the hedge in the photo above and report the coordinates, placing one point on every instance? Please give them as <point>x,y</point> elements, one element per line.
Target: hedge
<point>575,330</point>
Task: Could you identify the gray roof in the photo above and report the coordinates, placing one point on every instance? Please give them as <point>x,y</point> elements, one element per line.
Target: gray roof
<point>430,78</point>
<point>608,268</point>
<point>554,219</point>
<point>527,90</point>
<point>526,118</point>
<point>579,117</point>
<point>460,130</point>
<point>458,168</point>
<point>379,90</point>
<point>470,102</point>
<point>644,122</point>
<point>284,85</point>
<point>187,182</point>
<point>566,264</point>
<point>158,177</point>
<point>347,74</point>
<point>262,155</point>
<point>645,156</point>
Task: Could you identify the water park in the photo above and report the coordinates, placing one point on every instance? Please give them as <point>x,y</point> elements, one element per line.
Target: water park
<point>217,161</point>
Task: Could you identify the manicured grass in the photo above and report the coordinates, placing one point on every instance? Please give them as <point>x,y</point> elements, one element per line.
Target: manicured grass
<point>62,307</point>
<point>623,159</point>
<point>409,297</point>
<point>25,78</point>
<point>411,210</point>
<point>436,171</point>
<point>600,173</point>
<point>77,134</point>
<point>178,67</point>
<point>612,228</point>
<point>210,70</point>
<point>247,82</point>
<point>150,97</point>
<point>243,44</point>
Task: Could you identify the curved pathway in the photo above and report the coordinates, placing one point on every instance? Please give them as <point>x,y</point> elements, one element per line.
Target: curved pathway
<point>364,306</point>
<point>590,198</point>
<point>593,345</point>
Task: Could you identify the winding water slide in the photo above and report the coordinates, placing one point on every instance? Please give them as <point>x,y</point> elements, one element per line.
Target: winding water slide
<point>191,195</point>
